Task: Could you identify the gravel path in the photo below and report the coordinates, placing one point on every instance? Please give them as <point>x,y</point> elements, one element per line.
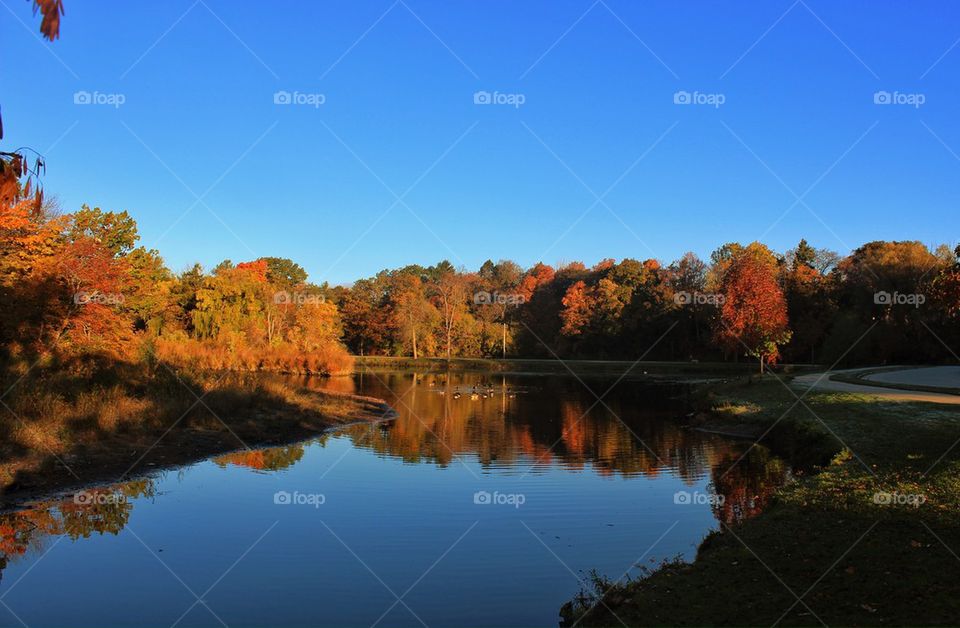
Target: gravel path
<point>948,376</point>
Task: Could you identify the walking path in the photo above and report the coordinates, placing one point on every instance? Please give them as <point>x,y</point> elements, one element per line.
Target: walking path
<point>936,376</point>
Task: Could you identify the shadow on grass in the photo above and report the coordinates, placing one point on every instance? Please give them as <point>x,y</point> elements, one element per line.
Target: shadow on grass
<point>871,538</point>
<point>70,424</point>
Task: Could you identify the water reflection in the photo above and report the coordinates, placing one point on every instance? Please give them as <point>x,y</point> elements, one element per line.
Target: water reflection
<point>747,482</point>
<point>270,459</point>
<point>100,510</point>
<point>529,424</point>
<point>508,425</point>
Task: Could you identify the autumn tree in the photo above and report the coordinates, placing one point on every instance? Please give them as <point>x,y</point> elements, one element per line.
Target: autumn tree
<point>95,282</point>
<point>540,324</point>
<point>283,272</point>
<point>116,231</point>
<point>649,304</point>
<point>944,306</point>
<point>754,312</point>
<point>484,308</point>
<point>538,276</point>
<point>577,306</point>
<point>946,287</point>
<point>365,308</point>
<point>808,293</point>
<point>413,314</point>
<point>315,324</point>
<point>35,299</point>
<point>450,291</point>
<point>872,284</point>
<point>687,278</point>
<point>231,303</point>
<point>504,278</point>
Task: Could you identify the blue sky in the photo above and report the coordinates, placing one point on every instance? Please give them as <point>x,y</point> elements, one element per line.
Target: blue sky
<point>598,81</point>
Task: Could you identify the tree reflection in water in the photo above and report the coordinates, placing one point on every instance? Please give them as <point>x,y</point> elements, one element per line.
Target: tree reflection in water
<point>513,425</point>
<point>518,423</point>
<point>270,459</point>
<point>747,482</point>
<point>100,510</point>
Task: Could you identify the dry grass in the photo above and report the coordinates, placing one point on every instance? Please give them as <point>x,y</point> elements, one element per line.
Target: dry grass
<point>327,360</point>
<point>97,422</point>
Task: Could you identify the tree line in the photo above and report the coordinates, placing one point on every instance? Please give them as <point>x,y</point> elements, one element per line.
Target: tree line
<point>884,302</point>
<point>78,284</point>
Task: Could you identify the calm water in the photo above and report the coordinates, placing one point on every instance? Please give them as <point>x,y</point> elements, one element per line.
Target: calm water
<point>474,509</point>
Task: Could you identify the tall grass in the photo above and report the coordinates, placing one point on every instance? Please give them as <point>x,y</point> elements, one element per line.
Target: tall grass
<point>326,360</point>
<point>104,413</point>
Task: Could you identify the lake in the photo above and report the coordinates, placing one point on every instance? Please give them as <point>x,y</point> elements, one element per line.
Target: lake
<point>487,501</point>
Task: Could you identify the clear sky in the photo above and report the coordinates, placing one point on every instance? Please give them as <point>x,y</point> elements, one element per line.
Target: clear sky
<point>784,139</point>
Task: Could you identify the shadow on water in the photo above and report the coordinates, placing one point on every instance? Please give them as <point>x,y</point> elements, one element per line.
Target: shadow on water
<point>504,425</point>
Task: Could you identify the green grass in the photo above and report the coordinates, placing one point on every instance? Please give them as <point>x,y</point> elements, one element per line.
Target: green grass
<point>824,538</point>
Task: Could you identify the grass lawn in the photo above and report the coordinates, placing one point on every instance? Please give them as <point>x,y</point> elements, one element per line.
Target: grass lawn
<point>825,551</point>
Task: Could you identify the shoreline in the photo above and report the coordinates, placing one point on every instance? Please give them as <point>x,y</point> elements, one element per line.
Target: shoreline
<point>687,370</point>
<point>136,453</point>
<point>20,502</point>
<point>255,420</point>
<point>827,534</point>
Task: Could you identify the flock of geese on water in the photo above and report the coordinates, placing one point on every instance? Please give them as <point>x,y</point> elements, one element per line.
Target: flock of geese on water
<point>481,391</point>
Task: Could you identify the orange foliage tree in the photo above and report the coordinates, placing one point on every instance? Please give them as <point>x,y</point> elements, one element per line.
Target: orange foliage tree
<point>754,312</point>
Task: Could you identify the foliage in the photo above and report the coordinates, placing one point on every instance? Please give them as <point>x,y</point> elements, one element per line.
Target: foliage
<point>754,312</point>
<point>808,305</point>
<point>77,284</point>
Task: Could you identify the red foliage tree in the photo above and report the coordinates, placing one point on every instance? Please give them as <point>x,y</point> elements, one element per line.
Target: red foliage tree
<point>754,312</point>
<point>257,269</point>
